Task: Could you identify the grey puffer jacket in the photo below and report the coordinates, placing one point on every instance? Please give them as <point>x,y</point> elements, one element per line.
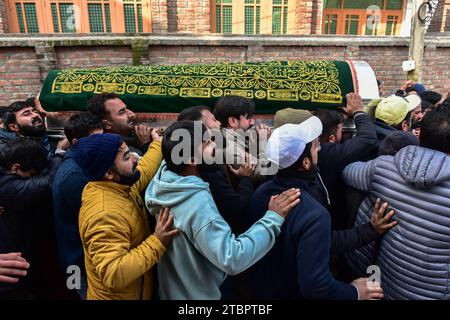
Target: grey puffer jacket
<point>414,256</point>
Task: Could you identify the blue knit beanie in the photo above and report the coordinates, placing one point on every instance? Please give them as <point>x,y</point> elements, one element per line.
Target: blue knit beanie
<point>420,88</point>
<point>95,154</point>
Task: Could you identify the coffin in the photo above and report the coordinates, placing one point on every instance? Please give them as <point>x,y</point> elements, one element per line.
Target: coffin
<point>170,89</point>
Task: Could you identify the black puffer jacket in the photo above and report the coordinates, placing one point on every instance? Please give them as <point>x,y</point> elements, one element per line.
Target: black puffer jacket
<point>27,221</point>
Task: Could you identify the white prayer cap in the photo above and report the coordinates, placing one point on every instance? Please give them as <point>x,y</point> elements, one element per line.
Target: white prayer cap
<point>287,143</point>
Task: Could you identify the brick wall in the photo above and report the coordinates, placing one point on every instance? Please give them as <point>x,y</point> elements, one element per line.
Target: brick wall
<point>86,57</point>
<point>159,16</point>
<point>169,55</point>
<point>24,61</point>
<point>441,18</point>
<point>185,16</point>
<point>303,17</point>
<point>20,77</point>
<point>3,21</point>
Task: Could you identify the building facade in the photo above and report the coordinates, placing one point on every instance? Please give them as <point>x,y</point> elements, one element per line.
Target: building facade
<point>266,17</point>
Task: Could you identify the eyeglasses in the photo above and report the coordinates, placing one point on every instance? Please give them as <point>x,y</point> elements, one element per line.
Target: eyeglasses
<point>248,116</point>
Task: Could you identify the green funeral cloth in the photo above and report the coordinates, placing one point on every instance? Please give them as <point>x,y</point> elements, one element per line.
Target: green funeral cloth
<point>271,85</point>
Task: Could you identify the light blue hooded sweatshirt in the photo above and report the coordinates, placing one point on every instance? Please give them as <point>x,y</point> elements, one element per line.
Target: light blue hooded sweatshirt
<point>198,260</point>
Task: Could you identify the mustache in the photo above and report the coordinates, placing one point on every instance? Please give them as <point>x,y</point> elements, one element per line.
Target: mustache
<point>37,120</point>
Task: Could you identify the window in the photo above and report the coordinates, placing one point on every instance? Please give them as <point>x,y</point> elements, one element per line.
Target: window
<point>372,25</point>
<point>133,15</point>
<point>332,4</point>
<point>224,16</point>
<point>331,21</point>
<point>362,4</point>
<point>351,24</point>
<point>391,25</point>
<point>252,16</point>
<point>61,16</point>
<point>394,5</point>
<point>27,17</point>
<point>279,16</point>
<point>362,17</point>
<point>99,16</point>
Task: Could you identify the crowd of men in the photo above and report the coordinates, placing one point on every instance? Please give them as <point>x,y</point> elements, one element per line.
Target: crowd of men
<point>120,210</point>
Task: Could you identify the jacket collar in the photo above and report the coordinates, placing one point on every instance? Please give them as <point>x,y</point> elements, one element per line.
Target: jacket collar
<point>112,186</point>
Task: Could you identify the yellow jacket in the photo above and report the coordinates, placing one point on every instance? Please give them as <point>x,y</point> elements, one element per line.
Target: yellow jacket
<point>119,251</point>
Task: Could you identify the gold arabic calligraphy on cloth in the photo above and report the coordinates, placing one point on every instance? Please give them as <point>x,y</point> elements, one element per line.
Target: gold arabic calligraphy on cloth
<point>315,81</point>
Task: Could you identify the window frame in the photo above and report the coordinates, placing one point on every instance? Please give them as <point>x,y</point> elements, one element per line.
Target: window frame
<point>363,15</point>
<point>116,13</point>
<point>238,17</point>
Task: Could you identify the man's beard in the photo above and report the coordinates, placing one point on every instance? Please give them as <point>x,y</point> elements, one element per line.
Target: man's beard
<point>33,131</point>
<point>130,179</point>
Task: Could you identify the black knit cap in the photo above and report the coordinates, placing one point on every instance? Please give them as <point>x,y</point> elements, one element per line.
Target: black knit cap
<point>95,154</point>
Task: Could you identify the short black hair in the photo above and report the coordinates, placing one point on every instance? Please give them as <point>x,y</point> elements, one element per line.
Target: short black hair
<point>435,130</point>
<point>432,97</point>
<point>232,106</point>
<point>330,120</point>
<point>96,105</point>
<point>2,112</point>
<point>425,105</point>
<point>9,117</point>
<point>168,144</point>
<point>28,153</point>
<point>80,125</point>
<point>31,101</point>
<point>192,113</point>
<point>396,141</point>
<point>293,168</point>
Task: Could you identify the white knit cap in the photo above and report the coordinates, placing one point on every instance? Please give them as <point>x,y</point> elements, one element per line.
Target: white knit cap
<point>287,143</point>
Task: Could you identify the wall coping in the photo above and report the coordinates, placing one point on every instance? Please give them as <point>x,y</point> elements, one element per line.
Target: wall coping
<point>21,40</point>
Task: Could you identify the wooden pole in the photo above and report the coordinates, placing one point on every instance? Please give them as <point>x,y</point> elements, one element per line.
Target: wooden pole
<point>417,43</point>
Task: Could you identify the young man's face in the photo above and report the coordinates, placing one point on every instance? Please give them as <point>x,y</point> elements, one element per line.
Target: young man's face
<point>209,120</point>
<point>246,121</point>
<point>416,114</point>
<point>120,120</point>
<point>339,133</point>
<point>125,162</point>
<point>28,123</point>
<point>207,152</point>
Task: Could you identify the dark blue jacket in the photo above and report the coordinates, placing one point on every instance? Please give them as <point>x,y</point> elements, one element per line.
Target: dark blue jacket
<point>68,186</point>
<point>297,266</point>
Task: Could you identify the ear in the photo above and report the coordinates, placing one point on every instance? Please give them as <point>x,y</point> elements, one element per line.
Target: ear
<point>106,124</point>
<point>405,126</point>
<point>306,163</point>
<point>331,138</point>
<point>74,141</point>
<point>110,175</point>
<point>13,127</point>
<point>15,168</point>
<point>233,123</point>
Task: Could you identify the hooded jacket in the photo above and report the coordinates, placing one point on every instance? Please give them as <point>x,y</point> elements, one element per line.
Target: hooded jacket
<point>297,266</point>
<point>199,259</point>
<point>414,256</point>
<point>119,249</point>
